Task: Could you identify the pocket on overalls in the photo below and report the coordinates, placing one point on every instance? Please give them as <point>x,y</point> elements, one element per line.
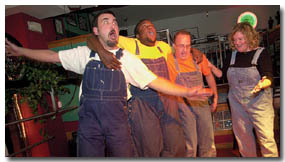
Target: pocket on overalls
<point>157,66</point>
<point>192,81</point>
<point>102,79</point>
<point>161,70</point>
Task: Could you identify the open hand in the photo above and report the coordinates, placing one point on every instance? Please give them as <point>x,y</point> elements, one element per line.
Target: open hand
<point>263,83</point>
<point>107,58</point>
<point>205,92</point>
<point>256,89</point>
<point>200,93</point>
<point>11,49</point>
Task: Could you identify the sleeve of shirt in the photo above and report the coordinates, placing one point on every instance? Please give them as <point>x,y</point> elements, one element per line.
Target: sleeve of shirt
<point>171,67</point>
<point>264,65</point>
<point>75,59</point>
<point>127,44</point>
<point>204,66</point>
<point>170,61</point>
<point>135,71</point>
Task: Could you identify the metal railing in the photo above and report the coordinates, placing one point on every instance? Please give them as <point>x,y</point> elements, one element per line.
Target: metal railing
<point>37,117</point>
<point>42,115</point>
<point>31,146</point>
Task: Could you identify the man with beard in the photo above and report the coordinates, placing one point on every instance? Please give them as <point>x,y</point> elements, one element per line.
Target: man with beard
<point>154,118</point>
<point>102,115</point>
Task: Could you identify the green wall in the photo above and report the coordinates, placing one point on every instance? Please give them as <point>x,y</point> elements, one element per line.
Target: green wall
<point>66,99</point>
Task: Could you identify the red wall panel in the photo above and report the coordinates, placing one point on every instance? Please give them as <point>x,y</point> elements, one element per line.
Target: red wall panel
<point>16,25</point>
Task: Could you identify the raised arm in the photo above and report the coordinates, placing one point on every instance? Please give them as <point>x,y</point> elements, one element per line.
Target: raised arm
<point>165,86</point>
<point>39,55</point>
<point>108,58</point>
<point>217,72</point>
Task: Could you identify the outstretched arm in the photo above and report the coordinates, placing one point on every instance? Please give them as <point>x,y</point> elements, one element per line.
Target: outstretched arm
<point>165,86</point>
<point>39,55</point>
<point>108,58</point>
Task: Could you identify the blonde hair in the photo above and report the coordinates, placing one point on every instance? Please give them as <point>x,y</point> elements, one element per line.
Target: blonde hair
<point>252,37</point>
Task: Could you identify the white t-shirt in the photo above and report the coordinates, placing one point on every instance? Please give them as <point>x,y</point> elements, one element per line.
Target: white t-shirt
<point>134,70</point>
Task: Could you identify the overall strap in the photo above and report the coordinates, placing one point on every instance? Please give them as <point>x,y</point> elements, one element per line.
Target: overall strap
<point>256,56</point>
<point>92,54</point>
<point>159,49</point>
<point>176,65</point>
<point>137,48</point>
<point>233,58</point>
<point>119,53</point>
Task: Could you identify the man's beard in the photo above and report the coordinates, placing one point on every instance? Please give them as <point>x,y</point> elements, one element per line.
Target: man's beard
<point>112,43</point>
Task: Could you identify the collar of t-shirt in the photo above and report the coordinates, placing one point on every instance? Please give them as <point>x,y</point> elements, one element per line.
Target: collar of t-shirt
<point>112,51</point>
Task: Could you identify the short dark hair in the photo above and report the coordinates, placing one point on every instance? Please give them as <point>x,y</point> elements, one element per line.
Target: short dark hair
<point>136,31</point>
<point>95,20</point>
<point>182,32</point>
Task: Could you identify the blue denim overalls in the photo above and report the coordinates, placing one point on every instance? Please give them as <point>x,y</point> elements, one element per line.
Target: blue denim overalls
<point>196,117</point>
<point>103,122</point>
<point>251,111</point>
<point>154,118</point>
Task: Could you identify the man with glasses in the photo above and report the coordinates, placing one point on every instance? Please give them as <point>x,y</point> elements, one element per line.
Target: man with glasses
<point>195,113</point>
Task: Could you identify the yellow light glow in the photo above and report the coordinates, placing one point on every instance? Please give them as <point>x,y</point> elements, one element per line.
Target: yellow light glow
<point>248,17</point>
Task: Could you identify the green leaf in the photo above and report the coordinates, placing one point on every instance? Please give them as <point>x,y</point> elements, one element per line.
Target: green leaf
<point>39,93</point>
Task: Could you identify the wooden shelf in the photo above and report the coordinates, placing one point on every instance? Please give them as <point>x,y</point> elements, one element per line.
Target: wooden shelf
<point>68,41</point>
<point>222,107</point>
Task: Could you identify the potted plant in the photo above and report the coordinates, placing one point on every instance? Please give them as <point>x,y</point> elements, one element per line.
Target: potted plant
<point>32,81</point>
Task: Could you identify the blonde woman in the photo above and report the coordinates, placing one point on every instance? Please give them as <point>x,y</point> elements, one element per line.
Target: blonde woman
<point>249,73</point>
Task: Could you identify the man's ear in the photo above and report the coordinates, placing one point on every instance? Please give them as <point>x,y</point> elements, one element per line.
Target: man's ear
<point>95,31</point>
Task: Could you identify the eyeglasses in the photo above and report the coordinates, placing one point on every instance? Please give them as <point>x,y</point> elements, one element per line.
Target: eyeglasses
<point>188,46</point>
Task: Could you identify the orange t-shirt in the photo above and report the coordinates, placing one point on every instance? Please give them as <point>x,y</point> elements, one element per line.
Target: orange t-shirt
<point>188,66</point>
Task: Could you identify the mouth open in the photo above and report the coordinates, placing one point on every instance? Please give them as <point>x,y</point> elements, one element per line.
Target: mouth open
<point>112,35</point>
<point>151,35</point>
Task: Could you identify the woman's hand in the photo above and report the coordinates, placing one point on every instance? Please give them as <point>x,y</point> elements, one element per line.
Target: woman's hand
<point>263,83</point>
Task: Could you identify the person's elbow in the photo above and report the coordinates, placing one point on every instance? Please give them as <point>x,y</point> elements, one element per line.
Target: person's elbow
<point>54,57</point>
<point>154,84</point>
